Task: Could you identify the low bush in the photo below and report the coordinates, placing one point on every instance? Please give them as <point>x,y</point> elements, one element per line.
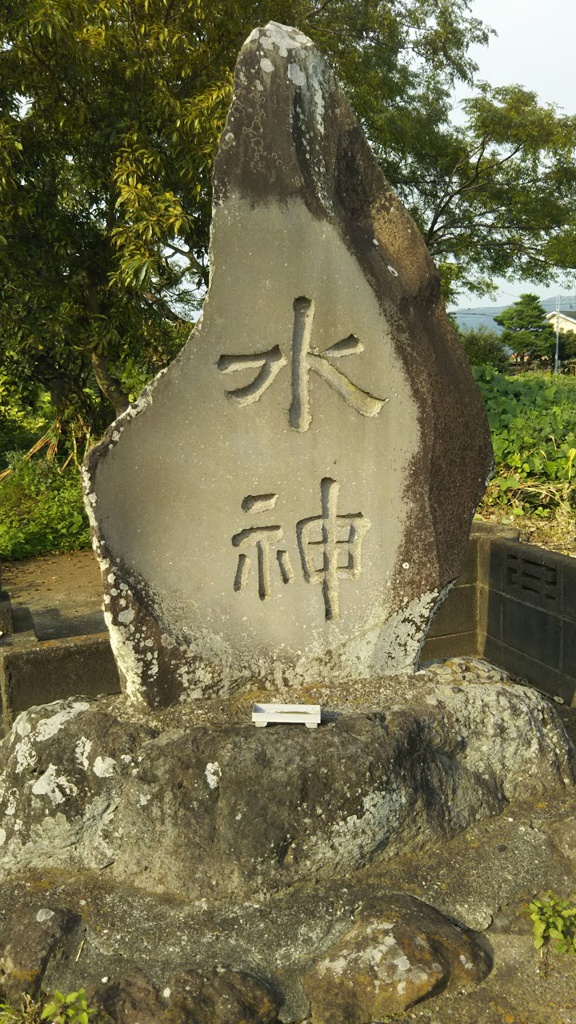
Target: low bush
<point>484,347</point>
<point>532,419</point>
<point>41,509</point>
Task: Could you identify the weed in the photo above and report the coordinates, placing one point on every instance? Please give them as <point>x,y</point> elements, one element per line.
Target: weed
<point>29,1012</point>
<point>68,1009</point>
<point>62,1008</point>
<point>554,918</point>
<point>532,420</point>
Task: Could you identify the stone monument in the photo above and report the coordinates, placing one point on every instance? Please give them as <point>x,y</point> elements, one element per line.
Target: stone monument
<point>290,500</point>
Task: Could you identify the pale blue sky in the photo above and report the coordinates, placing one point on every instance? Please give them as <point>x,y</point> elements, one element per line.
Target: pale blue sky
<point>535,47</point>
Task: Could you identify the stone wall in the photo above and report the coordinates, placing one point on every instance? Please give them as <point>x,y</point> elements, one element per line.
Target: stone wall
<point>515,605</point>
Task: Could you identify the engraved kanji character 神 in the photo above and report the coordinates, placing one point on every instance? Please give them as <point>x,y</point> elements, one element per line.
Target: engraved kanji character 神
<point>263,539</point>
<point>322,535</point>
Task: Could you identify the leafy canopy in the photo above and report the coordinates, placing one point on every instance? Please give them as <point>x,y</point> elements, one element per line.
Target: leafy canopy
<point>110,114</point>
<point>497,197</point>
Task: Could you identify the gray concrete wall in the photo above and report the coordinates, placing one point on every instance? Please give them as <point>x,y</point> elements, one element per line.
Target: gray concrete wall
<point>39,673</point>
<point>515,605</point>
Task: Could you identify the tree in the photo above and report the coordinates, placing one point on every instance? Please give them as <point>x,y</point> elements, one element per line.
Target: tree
<point>110,113</point>
<point>497,196</point>
<point>95,190</point>
<point>485,347</point>
<point>567,346</point>
<point>526,329</point>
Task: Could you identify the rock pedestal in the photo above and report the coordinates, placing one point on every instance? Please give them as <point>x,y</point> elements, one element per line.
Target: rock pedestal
<point>291,498</point>
<point>210,874</point>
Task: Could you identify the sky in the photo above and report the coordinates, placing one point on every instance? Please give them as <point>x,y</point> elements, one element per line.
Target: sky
<point>535,47</point>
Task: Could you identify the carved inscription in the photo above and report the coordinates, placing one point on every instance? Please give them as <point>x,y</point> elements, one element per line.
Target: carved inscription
<point>263,539</point>
<point>329,544</point>
<point>304,359</point>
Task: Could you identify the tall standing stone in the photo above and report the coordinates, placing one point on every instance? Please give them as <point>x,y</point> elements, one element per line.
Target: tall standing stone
<point>290,499</point>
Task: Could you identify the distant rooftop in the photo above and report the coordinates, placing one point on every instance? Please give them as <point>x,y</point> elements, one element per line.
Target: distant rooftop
<point>570,313</point>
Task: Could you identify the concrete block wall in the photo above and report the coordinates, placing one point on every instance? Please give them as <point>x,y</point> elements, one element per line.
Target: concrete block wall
<point>6,623</point>
<point>33,672</point>
<point>515,605</point>
<point>528,601</point>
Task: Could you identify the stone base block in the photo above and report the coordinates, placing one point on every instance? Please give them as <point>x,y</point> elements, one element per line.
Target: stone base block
<point>39,673</point>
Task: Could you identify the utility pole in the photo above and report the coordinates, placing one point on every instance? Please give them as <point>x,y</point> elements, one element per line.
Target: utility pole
<point>557,351</point>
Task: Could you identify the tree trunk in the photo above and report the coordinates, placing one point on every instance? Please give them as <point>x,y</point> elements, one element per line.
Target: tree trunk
<point>109,388</point>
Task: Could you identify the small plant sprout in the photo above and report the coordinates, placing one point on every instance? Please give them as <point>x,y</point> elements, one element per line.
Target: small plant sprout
<point>67,1009</point>
<point>28,1012</point>
<point>554,918</point>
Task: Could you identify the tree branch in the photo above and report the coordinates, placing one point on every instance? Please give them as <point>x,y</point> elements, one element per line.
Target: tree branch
<point>189,256</point>
<point>160,303</point>
<point>109,387</point>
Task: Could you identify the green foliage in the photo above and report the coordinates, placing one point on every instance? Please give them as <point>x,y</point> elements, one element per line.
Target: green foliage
<point>497,196</point>
<point>68,1009</point>
<point>21,427</point>
<point>484,347</point>
<point>29,1012</point>
<point>110,114</point>
<point>532,419</point>
<point>567,345</point>
<point>41,509</point>
<point>554,918</point>
<point>109,118</point>
<point>526,328</point>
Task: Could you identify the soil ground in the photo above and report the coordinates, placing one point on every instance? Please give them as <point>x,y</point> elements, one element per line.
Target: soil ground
<point>558,533</point>
<point>61,593</point>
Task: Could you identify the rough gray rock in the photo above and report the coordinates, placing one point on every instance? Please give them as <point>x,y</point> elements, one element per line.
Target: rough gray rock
<point>276,938</point>
<point>238,811</point>
<point>28,942</point>
<point>398,951</point>
<point>127,998</point>
<point>220,996</point>
<point>323,400</point>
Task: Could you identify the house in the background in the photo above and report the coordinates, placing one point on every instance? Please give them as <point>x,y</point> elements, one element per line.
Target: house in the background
<point>566,320</point>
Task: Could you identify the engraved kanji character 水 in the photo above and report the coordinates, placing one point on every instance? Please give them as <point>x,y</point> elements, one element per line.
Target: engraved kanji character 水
<point>303,360</point>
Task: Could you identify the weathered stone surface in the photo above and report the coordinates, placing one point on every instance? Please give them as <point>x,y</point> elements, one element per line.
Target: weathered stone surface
<point>217,995</point>
<point>279,937</point>
<point>398,951</point>
<point>130,998</point>
<point>321,426</point>
<point>236,810</point>
<point>60,768</point>
<point>220,996</point>
<point>28,942</point>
